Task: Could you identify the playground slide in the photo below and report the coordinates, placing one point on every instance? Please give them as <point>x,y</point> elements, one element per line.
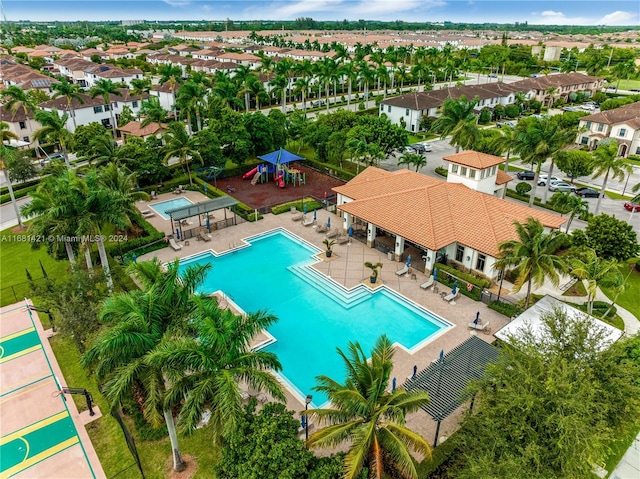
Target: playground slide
<point>280,180</point>
<point>249,174</point>
<point>255,178</point>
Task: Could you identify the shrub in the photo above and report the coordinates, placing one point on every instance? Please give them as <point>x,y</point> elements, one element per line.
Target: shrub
<point>442,171</point>
<point>485,116</point>
<point>523,188</point>
<point>151,240</point>
<point>512,111</point>
<point>310,203</point>
<point>509,310</point>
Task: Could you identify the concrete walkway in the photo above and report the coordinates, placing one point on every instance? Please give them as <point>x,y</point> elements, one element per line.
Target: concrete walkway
<point>629,465</point>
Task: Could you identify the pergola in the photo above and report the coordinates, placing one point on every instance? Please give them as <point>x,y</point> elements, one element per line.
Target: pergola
<point>201,209</point>
<point>446,378</point>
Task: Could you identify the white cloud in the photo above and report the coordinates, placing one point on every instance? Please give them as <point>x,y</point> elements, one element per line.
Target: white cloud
<point>552,14</point>
<point>618,18</point>
<point>551,17</point>
<point>176,3</point>
<point>338,9</point>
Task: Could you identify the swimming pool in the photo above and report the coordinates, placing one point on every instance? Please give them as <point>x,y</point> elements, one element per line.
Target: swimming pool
<point>315,314</point>
<point>164,206</point>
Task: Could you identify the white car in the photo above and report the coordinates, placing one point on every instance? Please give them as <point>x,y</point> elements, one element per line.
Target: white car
<point>542,180</point>
<point>588,107</point>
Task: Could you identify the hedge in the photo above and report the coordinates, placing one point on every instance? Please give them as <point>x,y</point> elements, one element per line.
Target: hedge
<point>442,171</point>
<point>152,240</point>
<point>311,205</point>
<point>509,310</point>
<point>333,170</point>
<point>18,194</point>
<point>475,293</point>
<point>5,189</point>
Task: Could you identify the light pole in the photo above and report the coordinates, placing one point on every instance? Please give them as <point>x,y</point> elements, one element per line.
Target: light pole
<point>307,401</point>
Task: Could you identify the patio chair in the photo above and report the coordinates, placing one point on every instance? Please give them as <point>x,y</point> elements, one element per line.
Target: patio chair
<point>402,271</point>
<point>451,296</point>
<point>203,236</point>
<point>148,214</point>
<point>174,245</point>
<point>428,283</point>
<point>307,221</point>
<point>342,239</point>
<point>333,234</point>
<point>297,217</point>
<point>480,327</point>
<point>321,228</point>
<point>178,190</point>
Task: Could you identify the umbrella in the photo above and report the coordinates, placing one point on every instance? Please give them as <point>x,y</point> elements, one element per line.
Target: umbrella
<point>304,209</point>
<point>393,385</point>
<point>415,371</point>
<point>178,233</point>
<point>303,421</point>
<point>350,231</point>
<point>408,261</point>
<point>475,321</point>
<point>455,287</point>
<point>208,223</point>
<point>134,257</point>
<point>329,223</point>
<point>435,274</point>
<point>441,355</point>
<point>205,188</point>
<point>314,215</point>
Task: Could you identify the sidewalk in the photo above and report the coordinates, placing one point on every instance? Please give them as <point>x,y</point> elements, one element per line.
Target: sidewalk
<point>629,465</point>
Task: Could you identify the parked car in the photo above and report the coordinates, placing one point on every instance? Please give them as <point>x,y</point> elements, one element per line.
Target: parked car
<point>588,107</point>
<point>632,206</point>
<point>543,179</point>
<point>525,175</point>
<point>636,90</point>
<point>561,186</point>
<point>317,103</point>
<point>421,147</point>
<point>570,108</point>
<point>493,75</point>
<point>507,123</point>
<point>51,158</point>
<point>587,192</point>
<point>408,149</point>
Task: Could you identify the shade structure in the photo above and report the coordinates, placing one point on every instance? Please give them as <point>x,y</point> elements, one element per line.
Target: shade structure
<point>280,157</point>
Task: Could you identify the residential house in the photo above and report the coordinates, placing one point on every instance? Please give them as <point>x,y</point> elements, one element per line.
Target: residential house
<point>621,124</point>
<point>91,52</point>
<point>73,69</point>
<point>548,88</point>
<point>443,221</point>
<point>478,171</point>
<point>166,94</point>
<point>20,123</point>
<point>135,128</point>
<point>113,73</point>
<point>16,74</point>
<point>91,110</point>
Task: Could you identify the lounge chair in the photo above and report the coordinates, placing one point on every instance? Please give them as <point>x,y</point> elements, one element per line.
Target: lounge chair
<point>321,228</point>
<point>333,233</point>
<point>480,327</point>
<point>402,271</point>
<point>149,214</point>
<point>178,190</point>
<point>297,217</point>
<point>451,296</point>
<point>307,221</point>
<point>174,245</point>
<point>428,283</point>
<point>203,236</point>
<point>342,239</point>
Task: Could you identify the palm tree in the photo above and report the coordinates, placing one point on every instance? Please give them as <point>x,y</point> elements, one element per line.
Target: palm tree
<point>106,88</point>
<point>152,112</point>
<point>359,147</point>
<point>413,159</point>
<point>280,84</point>
<point>18,98</point>
<point>189,100</point>
<point>119,355</point>
<point>606,161</point>
<point>204,370</point>
<point>368,417</point>
<point>459,121</point>
<point>533,255</point>
<point>71,91</point>
<point>504,142</point>
<point>302,85</point>
<point>597,271</point>
<point>103,150</point>
<point>140,86</point>
<point>54,129</point>
<point>538,139</point>
<point>180,144</point>
<point>569,203</point>
<point>7,155</point>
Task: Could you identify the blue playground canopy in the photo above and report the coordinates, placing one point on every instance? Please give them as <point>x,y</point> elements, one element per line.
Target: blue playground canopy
<point>281,157</point>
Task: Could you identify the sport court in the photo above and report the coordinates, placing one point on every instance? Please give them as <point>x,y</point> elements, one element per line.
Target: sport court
<point>41,435</point>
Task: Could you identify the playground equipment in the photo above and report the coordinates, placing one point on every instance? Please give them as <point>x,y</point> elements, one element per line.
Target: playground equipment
<point>208,173</point>
<point>280,179</point>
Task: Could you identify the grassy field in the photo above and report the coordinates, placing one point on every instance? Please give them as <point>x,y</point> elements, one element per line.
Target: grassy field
<point>16,257</point>
<point>630,299</point>
<point>627,84</point>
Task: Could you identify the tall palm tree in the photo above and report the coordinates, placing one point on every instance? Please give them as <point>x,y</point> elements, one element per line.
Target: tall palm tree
<point>153,112</point>
<point>459,121</point>
<point>119,355</point>
<point>570,203</point>
<point>538,139</point>
<point>359,147</point>
<point>17,99</point>
<point>242,79</point>
<point>106,88</point>
<point>303,85</point>
<point>368,417</point>
<point>54,130</point>
<point>597,271</point>
<point>606,161</point>
<point>190,100</point>
<point>504,143</point>
<point>279,84</point>
<point>102,150</point>
<point>71,91</point>
<point>140,86</point>
<point>204,370</point>
<point>533,255</point>
<point>180,144</point>
<point>415,159</point>
<point>7,155</point>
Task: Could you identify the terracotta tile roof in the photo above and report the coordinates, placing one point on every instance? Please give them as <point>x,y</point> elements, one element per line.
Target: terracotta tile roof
<point>474,159</point>
<point>135,128</point>
<point>502,177</point>
<point>629,114</point>
<point>437,214</point>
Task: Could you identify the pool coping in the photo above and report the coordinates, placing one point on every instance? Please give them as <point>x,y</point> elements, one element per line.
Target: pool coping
<point>151,205</point>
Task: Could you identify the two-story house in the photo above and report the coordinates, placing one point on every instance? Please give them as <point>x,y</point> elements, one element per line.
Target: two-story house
<point>20,123</point>
<point>621,124</point>
<point>548,88</point>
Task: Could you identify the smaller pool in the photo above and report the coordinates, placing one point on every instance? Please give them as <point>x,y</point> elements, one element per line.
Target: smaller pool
<point>164,206</point>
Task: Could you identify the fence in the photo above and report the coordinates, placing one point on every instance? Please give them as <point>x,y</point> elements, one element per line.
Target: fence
<point>17,292</point>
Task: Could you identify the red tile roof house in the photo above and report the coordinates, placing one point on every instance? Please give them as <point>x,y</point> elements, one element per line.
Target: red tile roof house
<point>436,217</point>
<point>621,124</point>
<point>135,128</point>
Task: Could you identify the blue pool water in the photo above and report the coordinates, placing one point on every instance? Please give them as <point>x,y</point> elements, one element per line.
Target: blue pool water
<point>315,316</point>
<point>164,206</point>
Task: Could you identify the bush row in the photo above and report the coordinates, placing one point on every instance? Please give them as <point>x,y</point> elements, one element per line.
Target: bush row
<point>509,310</point>
<point>311,205</point>
<point>446,279</point>
<point>442,171</point>
<point>152,240</point>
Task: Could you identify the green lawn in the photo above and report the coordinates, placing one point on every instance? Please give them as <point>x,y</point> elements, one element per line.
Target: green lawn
<point>630,299</point>
<point>16,257</point>
<point>626,84</point>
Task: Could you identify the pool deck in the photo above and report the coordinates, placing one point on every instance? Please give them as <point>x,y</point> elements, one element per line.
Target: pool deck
<point>346,267</point>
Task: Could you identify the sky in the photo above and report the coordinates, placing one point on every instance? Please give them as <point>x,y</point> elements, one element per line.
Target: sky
<point>582,12</point>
